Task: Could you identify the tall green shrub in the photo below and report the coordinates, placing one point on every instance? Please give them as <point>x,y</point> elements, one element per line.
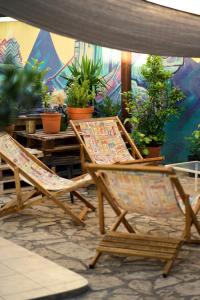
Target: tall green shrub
<point>149,114</point>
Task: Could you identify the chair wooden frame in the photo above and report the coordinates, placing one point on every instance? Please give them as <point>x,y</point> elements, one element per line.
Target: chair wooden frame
<point>86,156</point>
<point>132,243</point>
<point>39,194</point>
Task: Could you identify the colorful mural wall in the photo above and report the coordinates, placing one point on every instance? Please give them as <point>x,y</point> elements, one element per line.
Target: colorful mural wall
<point>25,42</point>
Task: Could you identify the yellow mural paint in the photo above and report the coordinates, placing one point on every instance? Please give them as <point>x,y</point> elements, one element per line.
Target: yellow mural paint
<point>197,59</point>
<point>24,34</point>
<point>64,47</point>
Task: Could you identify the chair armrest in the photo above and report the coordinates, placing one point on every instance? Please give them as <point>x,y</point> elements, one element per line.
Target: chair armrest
<point>144,160</point>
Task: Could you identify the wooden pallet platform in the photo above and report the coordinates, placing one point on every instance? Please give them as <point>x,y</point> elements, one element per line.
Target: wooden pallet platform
<point>66,166</point>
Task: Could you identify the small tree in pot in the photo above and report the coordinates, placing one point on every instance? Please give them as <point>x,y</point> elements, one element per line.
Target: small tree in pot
<point>149,113</point>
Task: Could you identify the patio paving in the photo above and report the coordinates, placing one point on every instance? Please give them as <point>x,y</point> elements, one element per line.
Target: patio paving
<point>45,230</point>
<point>27,275</point>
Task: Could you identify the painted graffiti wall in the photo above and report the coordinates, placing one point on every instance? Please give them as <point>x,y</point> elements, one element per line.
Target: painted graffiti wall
<point>25,42</point>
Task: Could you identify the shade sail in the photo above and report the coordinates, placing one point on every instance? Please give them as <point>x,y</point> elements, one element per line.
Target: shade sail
<point>133,25</point>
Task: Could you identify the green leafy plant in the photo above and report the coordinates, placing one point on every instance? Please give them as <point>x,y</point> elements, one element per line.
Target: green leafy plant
<point>79,94</point>
<point>87,70</point>
<point>108,108</point>
<point>149,113</point>
<point>46,97</point>
<point>20,89</point>
<point>194,143</point>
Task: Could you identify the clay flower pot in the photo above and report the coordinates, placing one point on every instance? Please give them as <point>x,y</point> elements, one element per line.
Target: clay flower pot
<point>154,151</point>
<point>51,122</point>
<point>76,113</point>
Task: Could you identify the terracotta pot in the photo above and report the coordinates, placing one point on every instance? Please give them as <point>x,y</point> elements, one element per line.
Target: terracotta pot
<point>51,122</point>
<point>76,113</point>
<point>154,151</point>
<point>10,129</point>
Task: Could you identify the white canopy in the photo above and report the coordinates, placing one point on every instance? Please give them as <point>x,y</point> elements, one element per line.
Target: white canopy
<point>133,25</point>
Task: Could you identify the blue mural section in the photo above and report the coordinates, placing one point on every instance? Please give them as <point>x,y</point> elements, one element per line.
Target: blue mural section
<point>44,51</point>
<point>111,66</point>
<point>187,78</point>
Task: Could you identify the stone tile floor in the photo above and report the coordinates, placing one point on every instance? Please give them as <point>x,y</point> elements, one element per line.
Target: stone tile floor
<point>46,231</point>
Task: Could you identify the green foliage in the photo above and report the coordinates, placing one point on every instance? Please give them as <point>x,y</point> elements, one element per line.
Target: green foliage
<point>108,108</point>
<point>36,67</point>
<point>79,94</point>
<point>148,115</point>
<point>87,70</point>
<point>46,97</point>
<point>20,89</point>
<point>194,140</point>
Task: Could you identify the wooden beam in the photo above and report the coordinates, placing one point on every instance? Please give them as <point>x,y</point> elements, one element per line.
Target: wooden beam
<point>125,78</point>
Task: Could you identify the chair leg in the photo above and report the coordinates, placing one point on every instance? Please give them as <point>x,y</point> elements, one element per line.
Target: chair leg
<point>119,220</point>
<point>101,213</point>
<point>67,209</point>
<point>71,197</point>
<point>95,259</point>
<point>167,268</point>
<point>18,187</point>
<point>169,264</point>
<point>86,202</point>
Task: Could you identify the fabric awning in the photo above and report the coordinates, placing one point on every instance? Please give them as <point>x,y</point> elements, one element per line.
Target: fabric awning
<point>133,25</point>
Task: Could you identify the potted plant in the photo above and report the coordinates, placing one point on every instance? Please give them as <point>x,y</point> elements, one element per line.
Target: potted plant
<point>194,144</point>
<point>58,100</point>
<point>148,113</point>
<point>54,111</point>
<point>79,100</point>
<point>87,76</point>
<point>87,70</point>
<point>20,89</point>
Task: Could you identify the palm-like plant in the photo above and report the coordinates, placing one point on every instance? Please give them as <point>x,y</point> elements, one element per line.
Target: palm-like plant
<point>87,70</point>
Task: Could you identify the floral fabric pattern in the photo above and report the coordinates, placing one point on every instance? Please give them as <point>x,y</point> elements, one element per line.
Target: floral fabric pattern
<point>143,193</point>
<point>104,142</point>
<point>24,162</point>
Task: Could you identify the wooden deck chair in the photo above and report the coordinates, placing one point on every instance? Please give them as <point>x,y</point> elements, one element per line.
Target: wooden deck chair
<point>150,191</point>
<point>47,185</point>
<point>106,141</point>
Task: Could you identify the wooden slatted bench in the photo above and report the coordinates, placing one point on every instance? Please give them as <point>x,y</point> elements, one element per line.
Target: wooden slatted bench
<point>132,244</point>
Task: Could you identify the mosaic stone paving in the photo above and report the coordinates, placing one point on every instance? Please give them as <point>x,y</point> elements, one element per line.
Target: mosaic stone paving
<point>48,232</point>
